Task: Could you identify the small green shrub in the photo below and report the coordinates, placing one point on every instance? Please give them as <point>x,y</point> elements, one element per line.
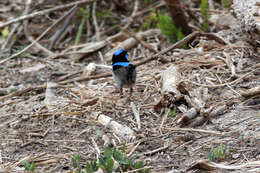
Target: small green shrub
<point>167,27</point>
<point>218,153</point>
<point>107,162</point>
<point>29,167</point>
<point>204,6</point>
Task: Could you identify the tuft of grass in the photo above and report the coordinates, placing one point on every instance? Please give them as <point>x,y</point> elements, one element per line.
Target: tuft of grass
<point>204,7</point>
<point>167,27</point>
<point>218,153</point>
<point>29,167</point>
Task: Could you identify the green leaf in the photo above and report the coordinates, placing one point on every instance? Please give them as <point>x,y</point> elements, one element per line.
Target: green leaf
<point>110,165</point>
<point>123,148</point>
<point>204,6</point>
<point>167,27</point>
<point>81,26</point>
<point>88,168</point>
<point>120,157</point>
<point>101,161</point>
<point>76,160</point>
<point>138,165</point>
<point>32,166</point>
<point>26,165</point>
<point>108,152</point>
<point>132,159</point>
<point>172,112</point>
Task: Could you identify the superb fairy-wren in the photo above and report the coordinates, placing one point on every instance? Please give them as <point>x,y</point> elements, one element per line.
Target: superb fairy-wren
<point>123,71</point>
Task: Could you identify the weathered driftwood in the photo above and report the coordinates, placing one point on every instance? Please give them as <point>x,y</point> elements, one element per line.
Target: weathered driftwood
<point>171,79</point>
<point>119,129</point>
<point>246,12</point>
<point>187,116</point>
<point>195,100</point>
<point>52,101</point>
<point>251,92</point>
<point>207,165</point>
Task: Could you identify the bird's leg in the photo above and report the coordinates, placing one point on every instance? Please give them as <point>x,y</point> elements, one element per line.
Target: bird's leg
<point>121,90</point>
<point>131,91</point>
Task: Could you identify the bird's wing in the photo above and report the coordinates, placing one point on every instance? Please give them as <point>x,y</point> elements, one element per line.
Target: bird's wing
<point>122,73</point>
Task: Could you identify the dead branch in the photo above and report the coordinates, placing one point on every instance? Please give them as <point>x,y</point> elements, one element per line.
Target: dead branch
<point>61,30</point>
<point>140,41</point>
<point>131,42</point>
<point>29,37</point>
<point>40,13</point>
<point>38,39</point>
<point>251,92</point>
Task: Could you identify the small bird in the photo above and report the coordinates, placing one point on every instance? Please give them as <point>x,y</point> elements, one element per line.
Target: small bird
<point>123,71</point>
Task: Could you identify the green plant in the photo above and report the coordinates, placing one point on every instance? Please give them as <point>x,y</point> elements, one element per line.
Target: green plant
<point>218,153</point>
<point>91,167</point>
<point>167,27</point>
<point>108,161</point>
<point>172,112</point>
<point>204,6</point>
<point>28,167</point>
<point>128,163</point>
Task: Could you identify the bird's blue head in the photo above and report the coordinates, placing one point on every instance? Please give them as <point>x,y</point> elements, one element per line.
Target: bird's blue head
<point>120,58</point>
